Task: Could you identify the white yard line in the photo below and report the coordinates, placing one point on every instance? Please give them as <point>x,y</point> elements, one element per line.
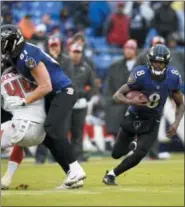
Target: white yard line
<point>98,190</point>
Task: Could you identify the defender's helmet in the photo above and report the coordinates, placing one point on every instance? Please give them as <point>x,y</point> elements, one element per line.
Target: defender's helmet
<point>160,54</point>
<point>11,40</point>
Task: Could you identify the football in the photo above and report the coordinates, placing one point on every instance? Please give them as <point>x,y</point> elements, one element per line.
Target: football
<point>133,94</point>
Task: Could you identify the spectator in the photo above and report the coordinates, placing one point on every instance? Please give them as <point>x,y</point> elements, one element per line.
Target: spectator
<point>80,39</point>
<point>46,19</point>
<point>165,20</point>
<point>7,18</point>
<point>55,30</point>
<point>27,27</point>
<point>181,14</point>
<point>81,14</point>
<point>98,14</point>
<point>142,57</point>
<point>56,51</point>
<point>117,76</point>
<point>84,81</point>
<point>67,25</point>
<point>141,14</point>
<point>117,28</point>
<point>39,37</point>
<point>40,32</point>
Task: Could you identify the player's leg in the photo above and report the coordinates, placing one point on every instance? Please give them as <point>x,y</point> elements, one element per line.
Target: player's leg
<point>7,131</point>
<point>15,160</point>
<point>121,146</point>
<point>144,143</point>
<point>54,126</point>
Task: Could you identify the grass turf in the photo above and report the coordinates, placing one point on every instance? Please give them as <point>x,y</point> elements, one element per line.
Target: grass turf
<point>151,183</point>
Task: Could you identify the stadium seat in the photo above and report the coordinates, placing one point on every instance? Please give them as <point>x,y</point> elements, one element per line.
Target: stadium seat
<point>100,44</point>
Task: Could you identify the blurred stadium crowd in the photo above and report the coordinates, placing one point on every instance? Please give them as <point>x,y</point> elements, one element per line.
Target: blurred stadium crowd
<point>107,26</point>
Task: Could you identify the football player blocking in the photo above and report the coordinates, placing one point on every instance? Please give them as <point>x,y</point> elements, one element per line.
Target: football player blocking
<point>55,87</point>
<point>140,126</point>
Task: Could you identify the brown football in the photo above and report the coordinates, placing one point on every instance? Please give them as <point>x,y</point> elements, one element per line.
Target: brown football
<point>133,94</point>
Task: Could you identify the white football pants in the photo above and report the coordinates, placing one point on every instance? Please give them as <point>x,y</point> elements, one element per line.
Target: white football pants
<point>23,133</point>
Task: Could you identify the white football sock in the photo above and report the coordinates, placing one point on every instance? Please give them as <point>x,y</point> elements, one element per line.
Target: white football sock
<point>12,167</point>
<point>111,173</point>
<point>74,166</point>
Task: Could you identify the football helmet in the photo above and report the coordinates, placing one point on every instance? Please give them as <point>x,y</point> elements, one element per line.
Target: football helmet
<point>11,40</point>
<point>158,55</point>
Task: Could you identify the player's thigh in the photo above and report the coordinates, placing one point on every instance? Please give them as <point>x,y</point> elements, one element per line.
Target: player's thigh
<point>7,131</point>
<point>58,112</point>
<point>121,146</point>
<point>34,135</point>
<point>146,140</point>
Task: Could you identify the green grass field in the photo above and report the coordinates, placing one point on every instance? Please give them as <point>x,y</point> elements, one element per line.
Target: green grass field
<point>152,183</point>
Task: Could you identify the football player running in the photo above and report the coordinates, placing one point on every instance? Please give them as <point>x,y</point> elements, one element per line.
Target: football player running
<point>26,128</point>
<point>157,81</point>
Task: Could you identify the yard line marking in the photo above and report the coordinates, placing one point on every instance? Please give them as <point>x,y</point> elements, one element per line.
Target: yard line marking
<point>43,192</point>
<point>99,190</point>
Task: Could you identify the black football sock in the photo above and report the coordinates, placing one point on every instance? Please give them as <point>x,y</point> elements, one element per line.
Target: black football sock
<point>129,162</point>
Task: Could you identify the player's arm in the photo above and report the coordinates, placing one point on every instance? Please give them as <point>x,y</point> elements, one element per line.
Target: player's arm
<point>135,82</point>
<point>178,99</point>
<point>44,86</point>
<point>120,97</point>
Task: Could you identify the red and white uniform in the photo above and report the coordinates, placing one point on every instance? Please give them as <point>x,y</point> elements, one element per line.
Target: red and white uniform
<point>26,127</point>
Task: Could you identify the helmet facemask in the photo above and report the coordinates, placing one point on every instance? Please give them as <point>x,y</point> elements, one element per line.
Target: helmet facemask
<point>158,59</point>
<point>157,70</point>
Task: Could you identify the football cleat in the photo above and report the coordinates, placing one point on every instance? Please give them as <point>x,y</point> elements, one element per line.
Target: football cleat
<point>74,177</point>
<point>76,185</point>
<point>5,182</point>
<point>109,179</point>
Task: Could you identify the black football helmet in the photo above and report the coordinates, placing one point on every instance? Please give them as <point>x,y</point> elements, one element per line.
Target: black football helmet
<point>11,40</point>
<point>158,53</point>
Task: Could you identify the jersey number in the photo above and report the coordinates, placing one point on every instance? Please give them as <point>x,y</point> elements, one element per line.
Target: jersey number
<point>141,72</point>
<point>153,100</point>
<point>18,88</point>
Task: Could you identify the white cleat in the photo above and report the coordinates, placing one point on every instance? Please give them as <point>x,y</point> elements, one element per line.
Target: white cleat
<point>74,177</point>
<point>76,185</point>
<point>5,182</point>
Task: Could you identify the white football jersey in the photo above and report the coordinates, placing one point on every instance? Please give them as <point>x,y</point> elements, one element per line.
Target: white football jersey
<point>14,84</point>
